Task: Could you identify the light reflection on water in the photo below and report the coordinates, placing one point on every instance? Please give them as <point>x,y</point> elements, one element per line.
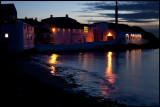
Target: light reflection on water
<point>53,60</point>
<point>110,76</point>
<point>130,77</point>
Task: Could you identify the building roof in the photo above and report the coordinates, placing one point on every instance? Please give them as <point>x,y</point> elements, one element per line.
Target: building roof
<point>30,21</point>
<point>8,13</point>
<point>62,22</point>
<point>8,10</point>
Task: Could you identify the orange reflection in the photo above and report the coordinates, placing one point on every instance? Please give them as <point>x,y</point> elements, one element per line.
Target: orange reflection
<point>53,59</point>
<point>110,76</point>
<point>53,70</point>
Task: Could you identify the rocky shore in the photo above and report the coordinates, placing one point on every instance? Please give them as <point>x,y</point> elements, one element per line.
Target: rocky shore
<point>22,88</point>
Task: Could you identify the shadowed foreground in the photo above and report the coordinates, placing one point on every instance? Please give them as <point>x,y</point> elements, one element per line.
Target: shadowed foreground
<point>20,89</point>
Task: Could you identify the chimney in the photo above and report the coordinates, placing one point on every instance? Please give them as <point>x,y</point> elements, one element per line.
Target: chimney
<point>66,15</point>
<point>51,15</point>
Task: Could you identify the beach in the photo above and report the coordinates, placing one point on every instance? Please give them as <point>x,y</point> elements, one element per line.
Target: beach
<point>25,83</point>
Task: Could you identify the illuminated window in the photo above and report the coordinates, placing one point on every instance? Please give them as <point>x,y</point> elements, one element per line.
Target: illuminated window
<point>127,36</point>
<point>85,29</point>
<point>69,30</point>
<point>58,29</point>
<point>132,36</point>
<point>53,30</point>
<point>63,30</point>
<point>73,30</point>
<point>28,36</point>
<point>79,30</point>
<point>6,35</point>
<point>109,34</point>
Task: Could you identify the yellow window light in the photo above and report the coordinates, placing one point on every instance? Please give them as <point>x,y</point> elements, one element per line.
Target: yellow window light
<point>109,34</point>
<point>53,29</point>
<point>85,29</point>
<point>6,35</point>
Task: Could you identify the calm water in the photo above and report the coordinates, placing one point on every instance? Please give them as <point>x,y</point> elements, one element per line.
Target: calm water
<point>130,77</point>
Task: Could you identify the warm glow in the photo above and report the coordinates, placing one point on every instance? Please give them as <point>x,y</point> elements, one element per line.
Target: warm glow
<point>85,29</point>
<point>127,36</point>
<point>6,35</point>
<point>110,76</point>
<point>53,59</point>
<point>53,70</point>
<point>28,36</point>
<point>53,29</point>
<point>109,34</point>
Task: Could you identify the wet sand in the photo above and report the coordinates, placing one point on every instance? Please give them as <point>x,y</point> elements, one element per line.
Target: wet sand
<point>27,84</point>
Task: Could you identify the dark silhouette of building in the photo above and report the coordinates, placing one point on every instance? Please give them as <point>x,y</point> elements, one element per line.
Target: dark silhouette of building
<point>31,21</point>
<point>8,13</point>
<point>9,10</point>
<point>63,22</point>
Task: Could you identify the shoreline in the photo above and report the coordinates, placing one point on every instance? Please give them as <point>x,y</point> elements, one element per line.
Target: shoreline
<point>115,48</point>
<point>30,88</point>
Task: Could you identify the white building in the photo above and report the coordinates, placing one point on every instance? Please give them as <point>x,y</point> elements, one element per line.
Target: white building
<point>131,38</point>
<point>17,35</point>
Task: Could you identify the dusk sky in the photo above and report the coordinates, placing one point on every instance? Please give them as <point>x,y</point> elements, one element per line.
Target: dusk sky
<point>144,14</point>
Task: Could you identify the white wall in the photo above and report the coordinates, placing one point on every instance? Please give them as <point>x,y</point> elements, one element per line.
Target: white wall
<point>15,39</point>
<point>98,29</point>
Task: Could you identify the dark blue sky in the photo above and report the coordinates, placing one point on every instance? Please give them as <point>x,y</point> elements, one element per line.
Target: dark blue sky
<point>134,13</point>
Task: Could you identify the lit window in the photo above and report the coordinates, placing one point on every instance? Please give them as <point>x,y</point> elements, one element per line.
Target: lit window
<point>69,30</point>
<point>6,35</point>
<point>73,30</point>
<point>109,34</point>
<point>127,36</point>
<point>63,30</point>
<point>53,29</point>
<point>28,36</point>
<point>85,29</point>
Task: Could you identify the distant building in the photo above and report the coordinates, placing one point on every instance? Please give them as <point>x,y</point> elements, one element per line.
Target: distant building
<point>31,21</point>
<point>106,32</point>
<point>66,30</point>
<point>17,35</point>
<point>131,38</point>
<point>43,36</point>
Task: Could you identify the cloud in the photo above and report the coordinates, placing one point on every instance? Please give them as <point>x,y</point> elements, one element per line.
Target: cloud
<point>124,5</point>
<point>136,11</point>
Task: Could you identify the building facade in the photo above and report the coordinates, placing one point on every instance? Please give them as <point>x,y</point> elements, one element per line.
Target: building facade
<point>17,35</point>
